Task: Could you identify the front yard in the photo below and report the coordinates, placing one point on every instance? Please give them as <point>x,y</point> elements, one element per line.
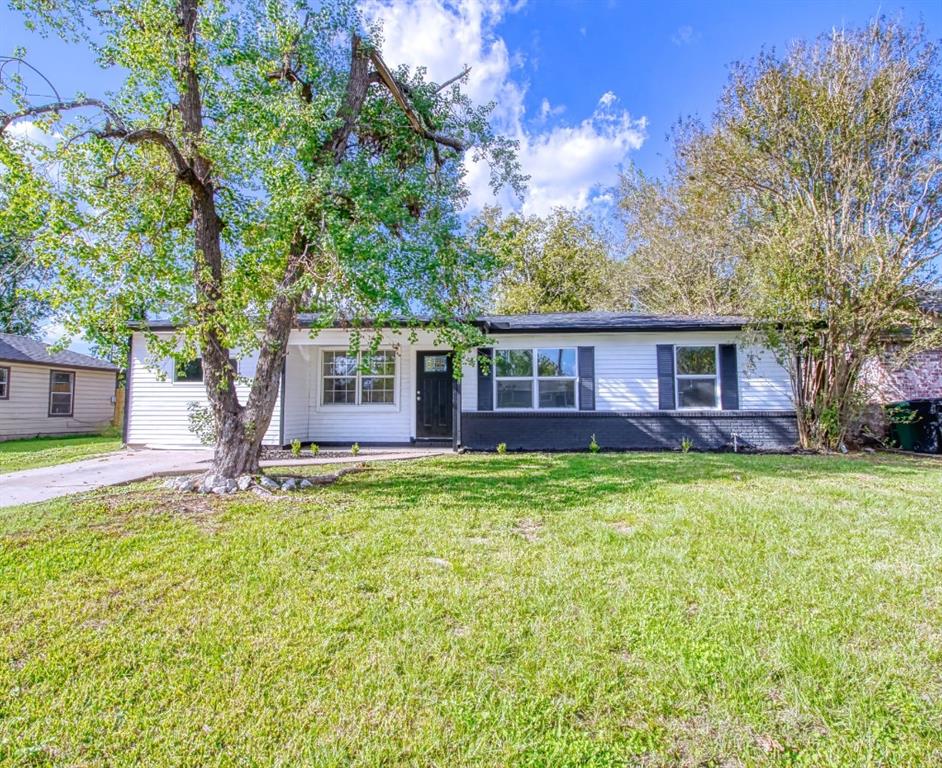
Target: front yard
<point>49,451</point>
<point>532,610</point>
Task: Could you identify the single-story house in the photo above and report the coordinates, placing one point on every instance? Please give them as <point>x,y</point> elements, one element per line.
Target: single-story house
<point>635,381</point>
<point>52,393</point>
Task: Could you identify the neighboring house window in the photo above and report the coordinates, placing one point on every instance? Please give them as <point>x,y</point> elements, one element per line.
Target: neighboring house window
<point>359,379</point>
<point>4,383</point>
<point>61,392</point>
<point>192,370</point>
<point>696,377</point>
<point>535,378</point>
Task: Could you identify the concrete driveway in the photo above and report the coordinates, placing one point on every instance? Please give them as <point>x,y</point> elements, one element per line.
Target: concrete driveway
<point>132,464</point>
<point>45,483</point>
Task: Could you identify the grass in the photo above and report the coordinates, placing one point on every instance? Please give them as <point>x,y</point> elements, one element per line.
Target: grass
<point>526,610</point>
<point>48,451</point>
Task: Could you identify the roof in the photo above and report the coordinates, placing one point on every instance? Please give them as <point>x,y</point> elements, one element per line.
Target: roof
<point>932,303</point>
<point>608,321</point>
<point>562,322</point>
<point>22,349</point>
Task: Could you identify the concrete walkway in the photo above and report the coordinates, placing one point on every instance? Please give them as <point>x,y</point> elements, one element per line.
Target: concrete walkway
<point>44,483</point>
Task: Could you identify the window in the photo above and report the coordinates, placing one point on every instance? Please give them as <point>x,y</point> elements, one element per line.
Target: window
<point>365,379</point>
<point>192,370</point>
<point>61,392</point>
<point>696,377</point>
<point>540,378</point>
<point>4,383</point>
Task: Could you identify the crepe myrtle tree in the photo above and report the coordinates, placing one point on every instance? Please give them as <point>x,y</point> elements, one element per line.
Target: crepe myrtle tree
<point>258,160</point>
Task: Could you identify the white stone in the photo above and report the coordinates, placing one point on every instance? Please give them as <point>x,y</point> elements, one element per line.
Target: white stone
<point>244,482</point>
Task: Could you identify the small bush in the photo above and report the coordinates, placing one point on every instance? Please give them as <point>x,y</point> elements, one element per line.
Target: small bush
<point>315,449</point>
<point>686,444</point>
<point>594,445</point>
<point>296,448</point>
<point>355,449</point>
<point>502,448</point>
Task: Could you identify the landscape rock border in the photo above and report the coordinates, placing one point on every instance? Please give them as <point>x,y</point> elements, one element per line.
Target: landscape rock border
<point>221,486</point>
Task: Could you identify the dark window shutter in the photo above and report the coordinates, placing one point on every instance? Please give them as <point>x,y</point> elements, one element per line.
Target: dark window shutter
<point>586,378</point>
<point>729,378</point>
<point>486,380</point>
<point>665,377</point>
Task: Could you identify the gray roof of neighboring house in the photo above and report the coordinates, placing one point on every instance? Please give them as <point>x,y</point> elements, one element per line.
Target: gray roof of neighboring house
<point>22,349</point>
<point>563,322</point>
<point>933,303</point>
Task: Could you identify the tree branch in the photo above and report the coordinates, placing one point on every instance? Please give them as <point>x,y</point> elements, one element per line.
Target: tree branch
<point>454,79</point>
<point>59,106</point>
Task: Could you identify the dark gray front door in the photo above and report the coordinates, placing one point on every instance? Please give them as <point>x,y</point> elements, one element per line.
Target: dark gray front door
<point>435,386</point>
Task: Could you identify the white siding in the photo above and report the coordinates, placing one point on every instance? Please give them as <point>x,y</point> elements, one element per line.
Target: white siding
<point>157,406</point>
<point>26,412</point>
<point>626,368</point>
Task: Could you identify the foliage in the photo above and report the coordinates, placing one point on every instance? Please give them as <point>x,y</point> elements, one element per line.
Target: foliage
<point>832,162</point>
<point>315,449</point>
<point>668,611</point>
<point>594,445</point>
<point>355,449</point>
<point>296,448</point>
<point>901,413</point>
<point>681,237</point>
<point>560,263</point>
<point>50,451</point>
<point>686,444</point>
<point>202,422</point>
<point>502,448</point>
<point>258,160</point>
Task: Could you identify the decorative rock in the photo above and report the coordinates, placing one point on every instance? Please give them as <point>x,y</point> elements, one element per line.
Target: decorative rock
<point>269,483</point>
<point>305,483</point>
<point>289,485</point>
<point>244,482</point>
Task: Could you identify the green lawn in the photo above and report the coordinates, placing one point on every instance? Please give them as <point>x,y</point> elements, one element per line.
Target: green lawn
<point>525,610</point>
<point>47,451</point>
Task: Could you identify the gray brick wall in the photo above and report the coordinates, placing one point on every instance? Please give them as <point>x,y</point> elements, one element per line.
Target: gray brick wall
<point>643,430</point>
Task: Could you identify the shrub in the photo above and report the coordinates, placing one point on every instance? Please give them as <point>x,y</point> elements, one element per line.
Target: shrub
<point>502,448</point>
<point>355,449</point>
<point>686,444</point>
<point>296,448</point>
<point>593,445</point>
<point>202,423</point>
<point>315,449</point>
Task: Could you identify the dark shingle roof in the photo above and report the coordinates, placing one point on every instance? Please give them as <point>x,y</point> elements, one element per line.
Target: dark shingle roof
<point>608,321</point>
<point>554,321</point>
<point>22,349</point>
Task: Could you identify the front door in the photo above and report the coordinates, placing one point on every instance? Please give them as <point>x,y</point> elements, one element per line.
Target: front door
<point>434,395</point>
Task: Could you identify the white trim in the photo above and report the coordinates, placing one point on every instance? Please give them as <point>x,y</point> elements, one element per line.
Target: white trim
<point>715,377</point>
<point>535,379</point>
<point>357,406</point>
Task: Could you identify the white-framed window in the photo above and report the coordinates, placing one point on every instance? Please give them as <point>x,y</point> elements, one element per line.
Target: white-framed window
<point>4,382</point>
<point>365,378</point>
<point>544,377</point>
<point>61,392</point>
<point>695,375</point>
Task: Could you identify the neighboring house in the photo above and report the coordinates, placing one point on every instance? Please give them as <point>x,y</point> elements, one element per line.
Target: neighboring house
<point>634,381</point>
<point>52,393</point>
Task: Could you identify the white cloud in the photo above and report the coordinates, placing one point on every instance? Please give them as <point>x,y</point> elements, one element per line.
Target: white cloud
<point>684,35</point>
<point>567,164</point>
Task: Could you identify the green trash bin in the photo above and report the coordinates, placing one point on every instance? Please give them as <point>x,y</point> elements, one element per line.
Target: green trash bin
<point>906,435</point>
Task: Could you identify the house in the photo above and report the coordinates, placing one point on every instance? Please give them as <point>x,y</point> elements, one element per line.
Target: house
<point>52,393</point>
<point>634,381</point>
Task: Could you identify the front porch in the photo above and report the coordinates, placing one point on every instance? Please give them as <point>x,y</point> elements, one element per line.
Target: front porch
<point>402,393</point>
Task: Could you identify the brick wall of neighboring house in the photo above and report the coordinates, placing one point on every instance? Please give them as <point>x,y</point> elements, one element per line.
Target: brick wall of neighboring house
<point>919,377</point>
<point>883,382</point>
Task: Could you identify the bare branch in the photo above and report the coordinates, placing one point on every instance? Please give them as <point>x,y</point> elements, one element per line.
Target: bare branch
<point>454,79</point>
<point>59,106</point>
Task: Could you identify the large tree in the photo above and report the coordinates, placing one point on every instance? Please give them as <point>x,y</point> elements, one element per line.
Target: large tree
<point>561,262</point>
<point>259,159</point>
<point>830,159</point>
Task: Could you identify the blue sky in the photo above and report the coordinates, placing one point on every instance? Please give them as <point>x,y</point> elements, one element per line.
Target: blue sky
<point>586,86</point>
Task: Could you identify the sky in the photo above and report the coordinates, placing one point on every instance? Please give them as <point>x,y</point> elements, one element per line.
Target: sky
<point>585,86</point>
